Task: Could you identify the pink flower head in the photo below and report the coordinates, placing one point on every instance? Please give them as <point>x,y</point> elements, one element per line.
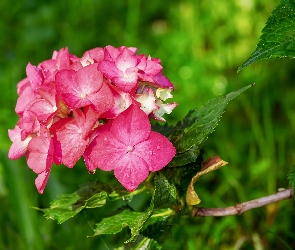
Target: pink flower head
<point>131,149</point>
<point>96,106</point>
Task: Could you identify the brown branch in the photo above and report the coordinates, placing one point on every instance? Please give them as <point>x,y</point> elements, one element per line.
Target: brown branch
<point>245,206</point>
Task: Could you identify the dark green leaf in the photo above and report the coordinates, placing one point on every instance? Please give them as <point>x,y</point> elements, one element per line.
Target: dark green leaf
<point>165,129</point>
<point>165,193</point>
<point>90,195</point>
<point>278,35</point>
<point>190,134</point>
<point>159,225</point>
<point>291,177</point>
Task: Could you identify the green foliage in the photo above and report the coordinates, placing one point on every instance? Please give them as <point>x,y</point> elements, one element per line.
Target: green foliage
<point>291,177</point>
<point>164,196</point>
<point>115,224</point>
<point>278,35</point>
<point>190,134</point>
<point>165,193</point>
<point>90,195</point>
<point>143,243</point>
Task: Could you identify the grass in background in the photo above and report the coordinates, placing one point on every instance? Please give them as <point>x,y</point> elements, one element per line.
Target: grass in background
<point>201,45</point>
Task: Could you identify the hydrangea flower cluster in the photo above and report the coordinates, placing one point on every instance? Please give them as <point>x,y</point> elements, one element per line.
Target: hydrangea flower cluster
<point>97,106</point>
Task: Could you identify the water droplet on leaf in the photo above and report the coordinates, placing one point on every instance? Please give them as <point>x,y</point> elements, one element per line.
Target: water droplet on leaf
<point>127,198</point>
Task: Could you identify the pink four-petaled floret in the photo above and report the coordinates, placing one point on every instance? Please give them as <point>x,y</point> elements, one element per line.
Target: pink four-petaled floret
<point>131,149</point>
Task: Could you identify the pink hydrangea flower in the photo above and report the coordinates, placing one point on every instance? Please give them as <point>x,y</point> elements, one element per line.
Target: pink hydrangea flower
<point>96,106</point>
<point>131,149</point>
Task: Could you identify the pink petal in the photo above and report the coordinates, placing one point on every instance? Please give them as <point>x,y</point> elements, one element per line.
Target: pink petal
<point>157,151</point>
<point>41,181</point>
<point>62,58</point>
<point>127,81</point>
<point>18,147</point>
<point>29,124</point>
<point>131,171</point>
<point>27,96</point>
<point>109,69</point>
<point>102,100</point>
<point>22,85</point>
<point>92,56</point>
<point>42,109</point>
<point>122,101</point>
<point>131,126</point>
<point>90,157</point>
<point>35,76</point>
<point>72,145</point>
<point>111,53</point>
<point>40,153</point>
<point>49,69</point>
<point>105,151</point>
<point>163,81</point>
<point>126,60</point>
<point>72,135</point>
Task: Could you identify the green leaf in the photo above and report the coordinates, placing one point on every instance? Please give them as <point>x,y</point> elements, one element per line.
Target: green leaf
<point>90,195</point>
<point>278,35</point>
<point>190,134</point>
<point>142,243</point>
<point>165,193</point>
<point>291,177</point>
<point>159,225</point>
<point>116,223</point>
<point>165,129</point>
<point>147,244</point>
<point>134,220</point>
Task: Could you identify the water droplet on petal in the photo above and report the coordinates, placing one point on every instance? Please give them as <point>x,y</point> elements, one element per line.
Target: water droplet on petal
<point>150,152</point>
<point>158,147</point>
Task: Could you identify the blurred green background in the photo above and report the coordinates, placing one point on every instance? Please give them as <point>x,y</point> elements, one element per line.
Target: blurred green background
<point>201,45</point>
